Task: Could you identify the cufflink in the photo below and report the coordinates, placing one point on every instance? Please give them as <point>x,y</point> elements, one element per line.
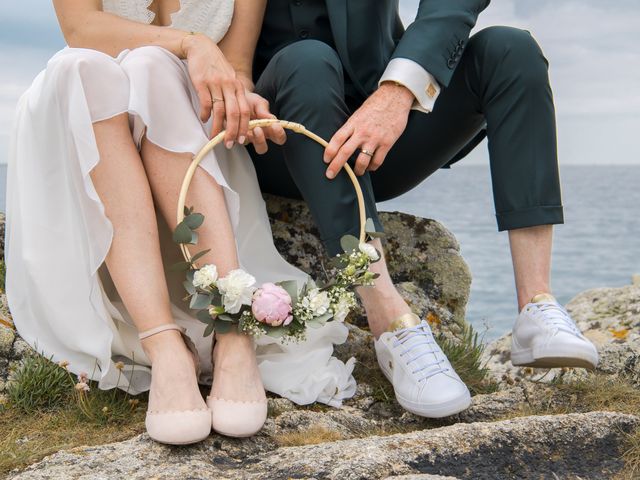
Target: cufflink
<point>431,90</point>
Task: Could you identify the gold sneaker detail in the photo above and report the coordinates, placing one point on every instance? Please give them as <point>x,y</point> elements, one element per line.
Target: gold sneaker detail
<point>543,297</point>
<point>407,320</point>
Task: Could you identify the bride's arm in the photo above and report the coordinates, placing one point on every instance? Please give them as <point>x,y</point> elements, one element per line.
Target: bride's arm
<point>239,43</point>
<point>85,25</point>
<point>238,46</point>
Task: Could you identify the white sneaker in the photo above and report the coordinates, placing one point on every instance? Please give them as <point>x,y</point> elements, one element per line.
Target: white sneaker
<point>545,336</point>
<point>422,377</point>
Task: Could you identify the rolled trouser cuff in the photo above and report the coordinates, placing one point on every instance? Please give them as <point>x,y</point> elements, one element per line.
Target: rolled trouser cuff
<point>530,217</point>
<point>333,244</point>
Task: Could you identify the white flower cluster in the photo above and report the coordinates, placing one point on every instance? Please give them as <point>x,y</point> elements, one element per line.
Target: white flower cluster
<point>205,277</point>
<point>342,302</point>
<point>236,289</point>
<point>369,251</point>
<point>314,304</point>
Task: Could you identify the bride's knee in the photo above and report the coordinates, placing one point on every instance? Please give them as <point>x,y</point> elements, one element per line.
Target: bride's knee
<point>154,63</point>
<point>104,84</point>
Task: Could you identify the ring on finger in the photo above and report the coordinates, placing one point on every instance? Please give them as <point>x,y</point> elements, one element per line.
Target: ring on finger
<point>368,153</point>
<point>215,99</point>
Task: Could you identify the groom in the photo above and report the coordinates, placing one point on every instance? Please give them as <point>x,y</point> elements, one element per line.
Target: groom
<point>398,105</point>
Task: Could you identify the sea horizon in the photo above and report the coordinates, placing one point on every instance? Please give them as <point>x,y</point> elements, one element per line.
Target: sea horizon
<point>597,247</point>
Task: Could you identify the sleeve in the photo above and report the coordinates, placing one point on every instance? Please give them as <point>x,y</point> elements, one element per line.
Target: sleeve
<point>416,79</point>
<point>437,37</point>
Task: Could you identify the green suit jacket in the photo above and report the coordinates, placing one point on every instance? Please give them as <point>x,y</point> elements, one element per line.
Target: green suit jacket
<point>369,33</point>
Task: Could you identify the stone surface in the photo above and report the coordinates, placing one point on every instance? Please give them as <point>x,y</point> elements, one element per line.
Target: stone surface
<point>609,317</point>
<point>418,250</point>
<point>587,446</point>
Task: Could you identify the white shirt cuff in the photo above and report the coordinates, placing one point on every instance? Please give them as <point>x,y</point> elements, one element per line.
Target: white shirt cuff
<point>416,79</point>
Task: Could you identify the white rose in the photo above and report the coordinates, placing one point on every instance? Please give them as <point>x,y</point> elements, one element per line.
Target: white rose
<point>370,251</point>
<point>317,302</point>
<point>237,289</point>
<point>205,277</point>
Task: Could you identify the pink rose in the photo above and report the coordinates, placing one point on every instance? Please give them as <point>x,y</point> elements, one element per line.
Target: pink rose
<point>272,305</point>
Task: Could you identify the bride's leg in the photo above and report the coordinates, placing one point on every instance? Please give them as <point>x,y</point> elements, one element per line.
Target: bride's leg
<point>236,375</point>
<point>135,264</point>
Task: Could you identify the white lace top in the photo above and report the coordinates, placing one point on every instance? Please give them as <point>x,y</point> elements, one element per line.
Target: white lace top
<point>211,17</point>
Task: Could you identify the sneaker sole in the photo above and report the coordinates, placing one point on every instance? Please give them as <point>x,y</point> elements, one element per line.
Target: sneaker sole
<point>441,410</point>
<point>526,358</point>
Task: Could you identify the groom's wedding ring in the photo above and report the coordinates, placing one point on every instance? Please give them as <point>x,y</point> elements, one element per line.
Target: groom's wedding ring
<point>214,100</point>
<point>367,152</point>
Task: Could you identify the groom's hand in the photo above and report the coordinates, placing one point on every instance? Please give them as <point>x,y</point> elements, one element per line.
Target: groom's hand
<point>372,130</point>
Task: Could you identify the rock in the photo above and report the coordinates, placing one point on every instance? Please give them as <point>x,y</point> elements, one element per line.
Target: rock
<point>587,446</point>
<point>609,317</point>
<point>418,251</point>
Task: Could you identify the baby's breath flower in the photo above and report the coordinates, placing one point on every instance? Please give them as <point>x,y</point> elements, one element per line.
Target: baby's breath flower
<point>105,409</point>
<point>64,364</point>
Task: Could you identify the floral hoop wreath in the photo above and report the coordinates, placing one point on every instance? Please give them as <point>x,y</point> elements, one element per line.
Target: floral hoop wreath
<point>280,309</point>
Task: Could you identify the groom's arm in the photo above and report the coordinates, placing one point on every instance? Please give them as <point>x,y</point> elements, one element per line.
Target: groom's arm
<point>431,47</point>
<point>423,61</point>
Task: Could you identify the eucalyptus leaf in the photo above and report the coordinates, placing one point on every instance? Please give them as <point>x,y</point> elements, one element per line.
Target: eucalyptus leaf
<point>216,298</point>
<point>188,286</point>
<point>291,287</point>
<point>204,317</point>
<point>194,220</point>
<point>276,332</point>
<point>182,233</point>
<point>369,226</point>
<point>226,318</point>
<point>222,326</point>
<point>194,238</point>
<point>209,330</point>
<point>337,262</point>
<point>190,274</point>
<point>180,267</point>
<point>199,255</point>
<point>349,243</point>
<point>199,301</point>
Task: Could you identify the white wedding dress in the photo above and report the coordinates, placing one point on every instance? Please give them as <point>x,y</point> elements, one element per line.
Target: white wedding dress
<point>60,294</point>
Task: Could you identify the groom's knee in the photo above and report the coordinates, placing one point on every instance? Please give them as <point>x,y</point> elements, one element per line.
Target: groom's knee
<point>309,64</point>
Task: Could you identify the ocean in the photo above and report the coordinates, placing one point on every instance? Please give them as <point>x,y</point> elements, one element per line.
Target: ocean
<point>599,245</point>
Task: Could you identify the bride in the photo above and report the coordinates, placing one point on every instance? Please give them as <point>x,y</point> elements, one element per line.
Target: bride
<point>102,140</point>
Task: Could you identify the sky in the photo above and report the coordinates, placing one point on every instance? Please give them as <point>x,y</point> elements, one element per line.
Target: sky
<point>593,48</point>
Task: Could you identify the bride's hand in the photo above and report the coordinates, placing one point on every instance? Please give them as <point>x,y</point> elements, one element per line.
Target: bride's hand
<point>259,136</point>
<point>222,95</point>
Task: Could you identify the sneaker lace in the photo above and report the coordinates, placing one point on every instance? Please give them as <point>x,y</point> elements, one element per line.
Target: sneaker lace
<point>421,338</point>
<point>556,317</point>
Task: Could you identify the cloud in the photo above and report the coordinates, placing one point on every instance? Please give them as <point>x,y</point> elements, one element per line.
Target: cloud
<point>591,46</point>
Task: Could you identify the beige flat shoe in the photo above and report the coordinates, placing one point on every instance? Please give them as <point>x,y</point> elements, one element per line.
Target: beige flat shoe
<point>179,427</point>
<point>236,418</point>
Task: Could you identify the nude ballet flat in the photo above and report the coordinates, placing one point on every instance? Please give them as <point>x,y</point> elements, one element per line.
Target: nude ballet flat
<point>236,418</point>
<point>179,427</point>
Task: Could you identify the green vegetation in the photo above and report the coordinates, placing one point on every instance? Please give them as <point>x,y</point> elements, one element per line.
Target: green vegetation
<point>465,353</point>
<point>47,411</point>
<point>38,383</point>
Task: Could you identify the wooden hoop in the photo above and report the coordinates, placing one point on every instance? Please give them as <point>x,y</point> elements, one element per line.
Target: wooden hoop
<point>297,128</point>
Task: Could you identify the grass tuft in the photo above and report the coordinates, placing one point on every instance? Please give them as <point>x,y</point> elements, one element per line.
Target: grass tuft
<point>631,456</point>
<point>38,383</point>
<point>465,354</point>
<point>310,436</point>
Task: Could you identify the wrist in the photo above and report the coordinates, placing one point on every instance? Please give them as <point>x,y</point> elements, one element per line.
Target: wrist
<point>246,80</point>
<point>399,92</point>
<point>189,41</point>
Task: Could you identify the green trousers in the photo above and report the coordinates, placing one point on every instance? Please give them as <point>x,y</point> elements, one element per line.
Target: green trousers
<point>500,88</point>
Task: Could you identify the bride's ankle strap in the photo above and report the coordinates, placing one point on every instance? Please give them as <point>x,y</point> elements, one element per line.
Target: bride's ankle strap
<point>161,328</point>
